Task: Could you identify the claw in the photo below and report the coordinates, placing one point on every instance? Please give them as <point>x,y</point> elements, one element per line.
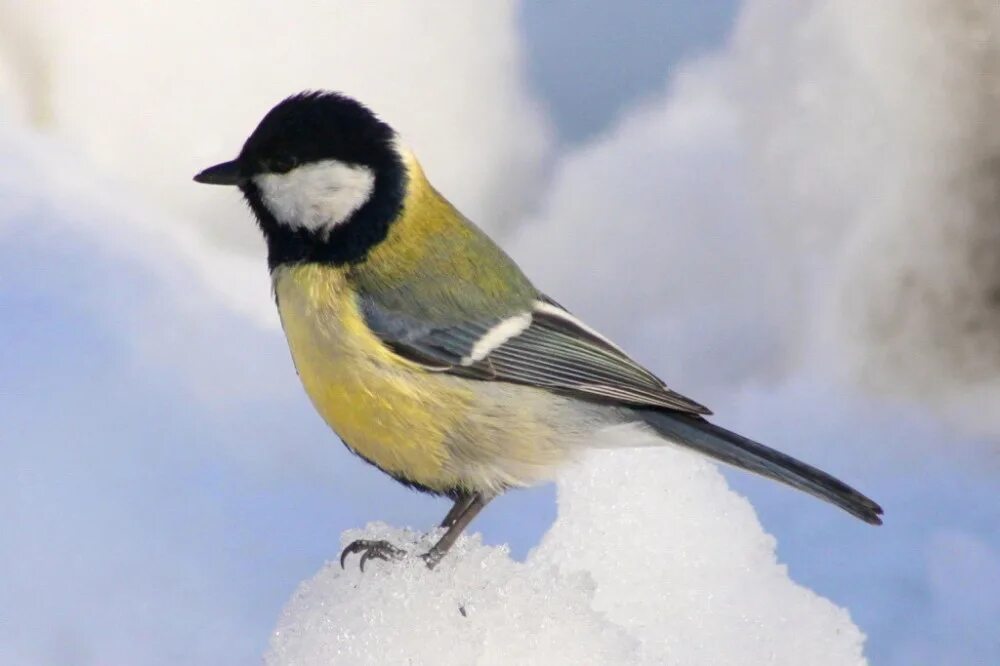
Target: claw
<point>432,557</point>
<point>371,550</point>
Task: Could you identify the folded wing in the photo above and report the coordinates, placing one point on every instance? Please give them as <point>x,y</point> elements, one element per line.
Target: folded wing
<point>544,346</point>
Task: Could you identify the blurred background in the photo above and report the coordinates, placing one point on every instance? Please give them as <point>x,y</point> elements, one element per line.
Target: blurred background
<point>788,209</point>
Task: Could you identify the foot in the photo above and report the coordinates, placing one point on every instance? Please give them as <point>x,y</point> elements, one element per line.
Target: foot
<point>371,550</point>
<point>432,557</point>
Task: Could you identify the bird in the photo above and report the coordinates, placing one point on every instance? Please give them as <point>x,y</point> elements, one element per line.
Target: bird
<point>425,347</point>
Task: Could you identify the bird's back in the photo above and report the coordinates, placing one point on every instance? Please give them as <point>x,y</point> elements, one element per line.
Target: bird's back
<point>438,266</point>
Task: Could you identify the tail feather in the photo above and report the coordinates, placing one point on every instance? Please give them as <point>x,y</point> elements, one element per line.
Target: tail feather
<point>728,447</point>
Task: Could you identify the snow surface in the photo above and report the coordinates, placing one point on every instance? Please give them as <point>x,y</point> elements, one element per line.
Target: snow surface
<point>832,165</point>
<point>652,560</point>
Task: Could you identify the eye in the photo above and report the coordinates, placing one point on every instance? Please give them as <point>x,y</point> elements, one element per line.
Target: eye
<point>282,164</point>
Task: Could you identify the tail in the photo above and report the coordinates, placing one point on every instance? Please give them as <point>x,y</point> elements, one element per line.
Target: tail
<point>721,444</point>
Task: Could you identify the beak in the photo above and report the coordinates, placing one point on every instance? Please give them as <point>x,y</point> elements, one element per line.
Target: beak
<point>227,173</point>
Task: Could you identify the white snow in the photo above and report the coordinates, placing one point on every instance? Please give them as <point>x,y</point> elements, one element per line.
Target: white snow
<point>872,136</point>
<point>797,184</point>
<point>652,560</point>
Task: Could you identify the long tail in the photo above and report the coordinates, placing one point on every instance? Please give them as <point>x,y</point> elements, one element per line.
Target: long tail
<point>728,447</point>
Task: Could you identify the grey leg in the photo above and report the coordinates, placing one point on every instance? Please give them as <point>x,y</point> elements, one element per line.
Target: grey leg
<point>458,525</point>
<point>461,504</point>
<point>466,508</point>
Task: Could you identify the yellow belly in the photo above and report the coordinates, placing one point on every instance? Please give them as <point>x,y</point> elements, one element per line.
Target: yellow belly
<point>380,405</point>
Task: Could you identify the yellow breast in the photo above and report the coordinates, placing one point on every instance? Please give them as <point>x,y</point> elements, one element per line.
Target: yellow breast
<point>383,407</point>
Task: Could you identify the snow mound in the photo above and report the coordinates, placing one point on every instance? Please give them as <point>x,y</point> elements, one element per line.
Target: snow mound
<point>652,560</point>
<point>479,607</point>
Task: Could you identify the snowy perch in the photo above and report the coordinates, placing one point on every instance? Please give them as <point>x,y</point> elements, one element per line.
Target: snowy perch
<point>652,560</point>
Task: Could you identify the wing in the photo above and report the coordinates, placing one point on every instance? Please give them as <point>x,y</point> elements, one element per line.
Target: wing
<point>544,346</point>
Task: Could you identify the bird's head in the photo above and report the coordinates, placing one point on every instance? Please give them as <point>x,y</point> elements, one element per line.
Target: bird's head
<point>323,174</point>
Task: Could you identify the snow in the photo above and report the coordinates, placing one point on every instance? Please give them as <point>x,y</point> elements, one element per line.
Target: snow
<point>820,191</point>
<point>870,130</point>
<point>652,560</point>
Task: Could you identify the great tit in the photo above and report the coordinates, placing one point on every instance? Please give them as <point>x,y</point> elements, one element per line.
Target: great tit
<point>424,346</point>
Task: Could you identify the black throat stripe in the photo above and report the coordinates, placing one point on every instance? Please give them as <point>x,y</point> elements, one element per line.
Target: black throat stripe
<point>346,243</point>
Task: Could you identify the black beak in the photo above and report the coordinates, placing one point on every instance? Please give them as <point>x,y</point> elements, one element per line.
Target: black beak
<point>227,173</point>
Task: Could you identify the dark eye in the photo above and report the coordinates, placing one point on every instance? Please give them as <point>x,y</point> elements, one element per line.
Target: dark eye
<point>282,164</point>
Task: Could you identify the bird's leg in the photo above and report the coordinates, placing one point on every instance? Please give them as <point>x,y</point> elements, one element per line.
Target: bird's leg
<point>462,503</point>
<point>457,524</point>
<point>459,516</point>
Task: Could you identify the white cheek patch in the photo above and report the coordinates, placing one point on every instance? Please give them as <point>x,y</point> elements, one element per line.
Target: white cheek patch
<point>316,196</point>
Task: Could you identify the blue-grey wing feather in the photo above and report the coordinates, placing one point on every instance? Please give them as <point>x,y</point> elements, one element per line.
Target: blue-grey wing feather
<point>553,352</point>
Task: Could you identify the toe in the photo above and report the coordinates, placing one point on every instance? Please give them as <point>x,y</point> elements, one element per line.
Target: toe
<point>381,550</point>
